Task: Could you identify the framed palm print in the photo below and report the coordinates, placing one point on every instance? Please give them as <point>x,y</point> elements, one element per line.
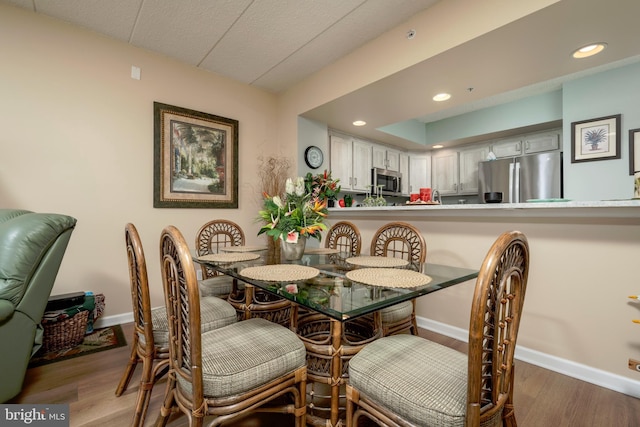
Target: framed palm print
<point>596,139</point>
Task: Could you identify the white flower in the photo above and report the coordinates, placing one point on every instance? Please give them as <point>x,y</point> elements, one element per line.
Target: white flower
<point>278,202</point>
<point>288,186</point>
<point>299,190</point>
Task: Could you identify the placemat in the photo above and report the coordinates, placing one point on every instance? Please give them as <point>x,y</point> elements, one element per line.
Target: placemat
<point>229,257</point>
<point>320,251</point>
<point>388,277</point>
<point>377,261</point>
<point>243,248</point>
<point>280,272</point>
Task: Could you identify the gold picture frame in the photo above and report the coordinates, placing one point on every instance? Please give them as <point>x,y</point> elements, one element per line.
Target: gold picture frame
<point>195,159</point>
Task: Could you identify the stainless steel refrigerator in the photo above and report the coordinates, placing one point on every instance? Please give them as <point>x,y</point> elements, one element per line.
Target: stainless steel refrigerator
<point>534,176</point>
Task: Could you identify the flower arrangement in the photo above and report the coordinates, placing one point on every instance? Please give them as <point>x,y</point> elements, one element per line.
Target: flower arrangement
<point>298,213</point>
<point>322,185</point>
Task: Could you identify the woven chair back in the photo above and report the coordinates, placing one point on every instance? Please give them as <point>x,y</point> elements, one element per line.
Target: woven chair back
<point>400,240</point>
<point>215,235</point>
<point>183,310</point>
<point>345,237</point>
<point>493,330</point>
<point>141,302</point>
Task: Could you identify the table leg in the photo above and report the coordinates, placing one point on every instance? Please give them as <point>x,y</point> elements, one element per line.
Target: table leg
<point>336,370</point>
<point>330,344</point>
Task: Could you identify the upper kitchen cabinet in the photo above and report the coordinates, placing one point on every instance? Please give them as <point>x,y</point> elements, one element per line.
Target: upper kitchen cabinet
<point>385,158</point>
<point>527,144</point>
<point>469,159</point>
<point>509,148</point>
<point>542,142</point>
<point>405,187</point>
<point>419,175</point>
<point>351,163</point>
<point>456,172</point>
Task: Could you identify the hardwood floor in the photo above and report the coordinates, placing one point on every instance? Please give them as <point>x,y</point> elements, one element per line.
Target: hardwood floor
<point>542,398</point>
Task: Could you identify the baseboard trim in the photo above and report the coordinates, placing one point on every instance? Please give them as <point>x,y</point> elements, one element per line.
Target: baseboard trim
<point>553,363</point>
<point>117,319</point>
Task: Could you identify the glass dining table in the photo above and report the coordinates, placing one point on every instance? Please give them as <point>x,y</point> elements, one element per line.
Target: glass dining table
<point>335,304</point>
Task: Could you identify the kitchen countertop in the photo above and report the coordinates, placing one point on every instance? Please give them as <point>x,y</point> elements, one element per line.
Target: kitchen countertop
<point>569,209</point>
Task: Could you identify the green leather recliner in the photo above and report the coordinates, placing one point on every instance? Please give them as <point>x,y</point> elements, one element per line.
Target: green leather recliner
<point>31,249</point>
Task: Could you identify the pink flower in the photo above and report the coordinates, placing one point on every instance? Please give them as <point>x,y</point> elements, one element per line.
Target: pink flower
<point>292,237</point>
<point>292,288</point>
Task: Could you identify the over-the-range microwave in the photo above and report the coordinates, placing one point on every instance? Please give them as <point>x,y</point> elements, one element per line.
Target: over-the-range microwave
<point>389,181</point>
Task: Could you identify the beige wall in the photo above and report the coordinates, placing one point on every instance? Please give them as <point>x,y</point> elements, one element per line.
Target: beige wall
<point>581,272</point>
<point>77,138</point>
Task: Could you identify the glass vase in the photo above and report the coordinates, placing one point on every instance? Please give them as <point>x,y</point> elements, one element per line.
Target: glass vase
<point>293,251</point>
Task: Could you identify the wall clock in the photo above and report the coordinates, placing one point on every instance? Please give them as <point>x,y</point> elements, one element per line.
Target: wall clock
<point>313,157</point>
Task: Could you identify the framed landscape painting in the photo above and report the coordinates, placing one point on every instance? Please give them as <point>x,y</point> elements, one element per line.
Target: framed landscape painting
<point>195,159</point>
<point>595,139</point>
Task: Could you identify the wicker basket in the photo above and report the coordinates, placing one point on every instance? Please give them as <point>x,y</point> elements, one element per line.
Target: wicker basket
<point>65,333</point>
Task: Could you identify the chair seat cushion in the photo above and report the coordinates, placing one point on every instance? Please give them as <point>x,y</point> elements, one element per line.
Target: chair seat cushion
<point>422,381</point>
<point>217,286</point>
<point>396,313</point>
<point>214,313</point>
<point>246,355</point>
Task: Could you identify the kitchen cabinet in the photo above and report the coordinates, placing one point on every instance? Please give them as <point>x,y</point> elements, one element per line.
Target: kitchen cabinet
<point>419,172</point>
<point>385,158</point>
<point>543,142</point>
<point>351,163</point>
<point>528,144</point>
<point>510,148</point>
<point>456,171</point>
<point>468,168</point>
<point>444,172</point>
<point>405,171</point>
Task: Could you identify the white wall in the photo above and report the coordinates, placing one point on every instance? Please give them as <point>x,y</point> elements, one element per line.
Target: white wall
<point>311,132</point>
<point>77,138</point>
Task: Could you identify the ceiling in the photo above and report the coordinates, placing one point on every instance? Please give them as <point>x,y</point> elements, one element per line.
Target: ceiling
<point>274,44</point>
<point>270,44</point>
<point>529,56</point>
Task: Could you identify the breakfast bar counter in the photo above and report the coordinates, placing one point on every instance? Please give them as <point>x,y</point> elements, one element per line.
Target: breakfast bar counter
<point>584,263</point>
<point>566,209</point>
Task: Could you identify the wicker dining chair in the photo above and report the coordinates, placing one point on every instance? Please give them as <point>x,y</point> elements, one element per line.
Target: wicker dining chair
<point>151,334</point>
<point>345,237</point>
<point>210,239</point>
<point>404,380</point>
<point>400,240</point>
<point>228,372</point>
<point>246,299</point>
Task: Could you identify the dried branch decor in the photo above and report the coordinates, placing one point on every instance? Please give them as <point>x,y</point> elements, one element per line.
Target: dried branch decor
<point>273,173</point>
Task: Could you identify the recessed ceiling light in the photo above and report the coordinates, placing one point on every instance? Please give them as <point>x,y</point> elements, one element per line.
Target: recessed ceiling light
<point>441,97</point>
<point>359,123</point>
<point>438,146</point>
<point>589,50</point>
